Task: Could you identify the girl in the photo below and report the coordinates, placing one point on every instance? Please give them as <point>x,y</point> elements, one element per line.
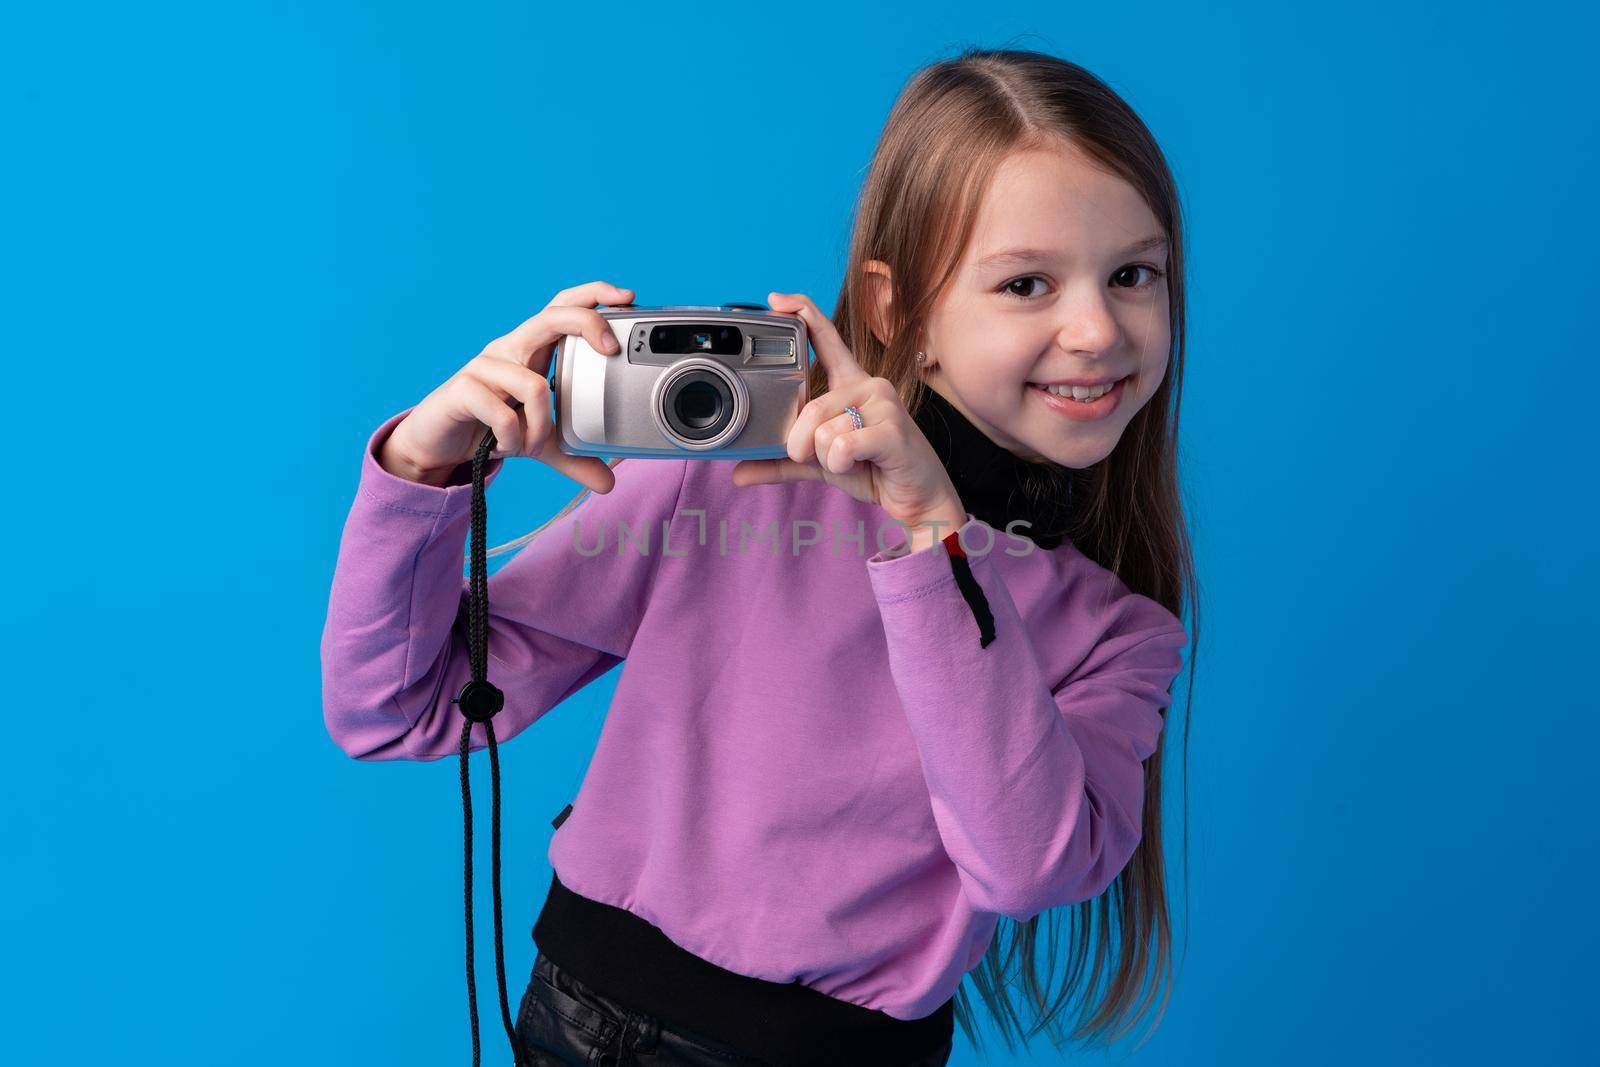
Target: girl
<point>878,696</point>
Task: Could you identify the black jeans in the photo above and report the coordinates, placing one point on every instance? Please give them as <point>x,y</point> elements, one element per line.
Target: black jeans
<point>564,1023</point>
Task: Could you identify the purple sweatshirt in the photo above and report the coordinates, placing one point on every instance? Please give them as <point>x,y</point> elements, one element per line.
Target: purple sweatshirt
<point>812,769</point>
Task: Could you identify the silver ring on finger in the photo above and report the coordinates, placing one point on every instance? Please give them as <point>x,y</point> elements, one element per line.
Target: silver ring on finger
<point>855,415</point>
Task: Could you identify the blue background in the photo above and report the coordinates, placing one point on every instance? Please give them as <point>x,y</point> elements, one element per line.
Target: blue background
<point>236,238</point>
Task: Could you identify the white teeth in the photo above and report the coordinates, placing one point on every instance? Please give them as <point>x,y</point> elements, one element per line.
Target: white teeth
<point>1080,392</point>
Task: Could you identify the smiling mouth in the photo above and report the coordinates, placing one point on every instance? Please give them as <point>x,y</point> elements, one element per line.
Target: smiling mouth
<point>1078,393</point>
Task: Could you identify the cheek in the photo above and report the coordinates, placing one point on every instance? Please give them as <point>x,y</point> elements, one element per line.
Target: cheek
<point>1152,373</point>
<point>1150,331</point>
<point>983,354</point>
<point>1154,351</point>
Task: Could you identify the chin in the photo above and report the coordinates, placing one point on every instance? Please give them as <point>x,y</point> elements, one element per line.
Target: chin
<point>1081,459</point>
<point>1077,454</point>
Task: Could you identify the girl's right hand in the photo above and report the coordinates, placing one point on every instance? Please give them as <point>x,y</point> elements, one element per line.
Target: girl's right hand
<point>504,388</point>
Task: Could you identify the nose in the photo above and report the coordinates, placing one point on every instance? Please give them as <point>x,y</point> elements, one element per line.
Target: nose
<point>1088,326</point>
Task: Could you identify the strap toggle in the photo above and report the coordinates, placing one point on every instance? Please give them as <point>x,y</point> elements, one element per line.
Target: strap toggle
<point>480,701</point>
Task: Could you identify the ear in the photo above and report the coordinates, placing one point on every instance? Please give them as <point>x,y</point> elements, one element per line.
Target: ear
<point>880,298</point>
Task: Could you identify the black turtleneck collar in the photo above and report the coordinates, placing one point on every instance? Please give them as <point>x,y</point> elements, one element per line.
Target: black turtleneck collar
<point>995,484</point>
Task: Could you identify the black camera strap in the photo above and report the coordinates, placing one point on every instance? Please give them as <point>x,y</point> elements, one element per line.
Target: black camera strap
<point>479,701</point>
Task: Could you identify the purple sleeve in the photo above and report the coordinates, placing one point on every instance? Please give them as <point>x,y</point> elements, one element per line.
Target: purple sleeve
<point>561,613</point>
<point>1036,777</point>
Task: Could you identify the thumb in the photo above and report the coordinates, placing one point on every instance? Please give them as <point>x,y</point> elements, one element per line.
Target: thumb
<point>773,471</point>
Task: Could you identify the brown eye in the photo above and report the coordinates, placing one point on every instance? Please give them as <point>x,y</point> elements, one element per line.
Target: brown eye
<point>1154,274</point>
<point>1010,287</point>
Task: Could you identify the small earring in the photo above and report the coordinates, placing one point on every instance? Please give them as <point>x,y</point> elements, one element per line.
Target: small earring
<point>921,356</point>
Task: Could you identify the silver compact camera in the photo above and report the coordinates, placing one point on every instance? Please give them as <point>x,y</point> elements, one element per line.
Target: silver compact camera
<point>716,382</point>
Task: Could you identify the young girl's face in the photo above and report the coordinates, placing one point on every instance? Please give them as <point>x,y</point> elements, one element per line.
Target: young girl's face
<point>1056,285</point>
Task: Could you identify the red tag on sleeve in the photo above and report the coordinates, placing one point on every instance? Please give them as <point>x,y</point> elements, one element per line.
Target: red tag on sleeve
<point>952,542</point>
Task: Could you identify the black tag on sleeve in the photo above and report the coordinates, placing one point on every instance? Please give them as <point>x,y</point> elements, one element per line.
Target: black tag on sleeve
<point>562,817</point>
<point>972,592</point>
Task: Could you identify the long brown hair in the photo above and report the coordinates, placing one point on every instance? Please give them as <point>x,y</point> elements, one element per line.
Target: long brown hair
<point>947,133</point>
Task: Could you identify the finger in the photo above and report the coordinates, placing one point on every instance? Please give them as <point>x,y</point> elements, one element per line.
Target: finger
<point>518,433</point>
<point>516,381</point>
<point>530,343</point>
<point>538,425</point>
<point>773,471</point>
<point>830,431</point>
<point>832,352</point>
<point>591,471</point>
<point>800,441</point>
<point>872,444</point>
<point>591,293</point>
<point>492,410</point>
<point>878,409</point>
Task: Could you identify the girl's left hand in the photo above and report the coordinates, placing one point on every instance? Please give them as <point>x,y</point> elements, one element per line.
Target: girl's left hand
<point>887,462</point>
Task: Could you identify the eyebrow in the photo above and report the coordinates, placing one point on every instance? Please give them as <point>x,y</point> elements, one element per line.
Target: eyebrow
<point>1026,255</point>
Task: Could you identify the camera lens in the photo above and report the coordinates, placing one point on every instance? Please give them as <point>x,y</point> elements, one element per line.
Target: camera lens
<point>697,404</point>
